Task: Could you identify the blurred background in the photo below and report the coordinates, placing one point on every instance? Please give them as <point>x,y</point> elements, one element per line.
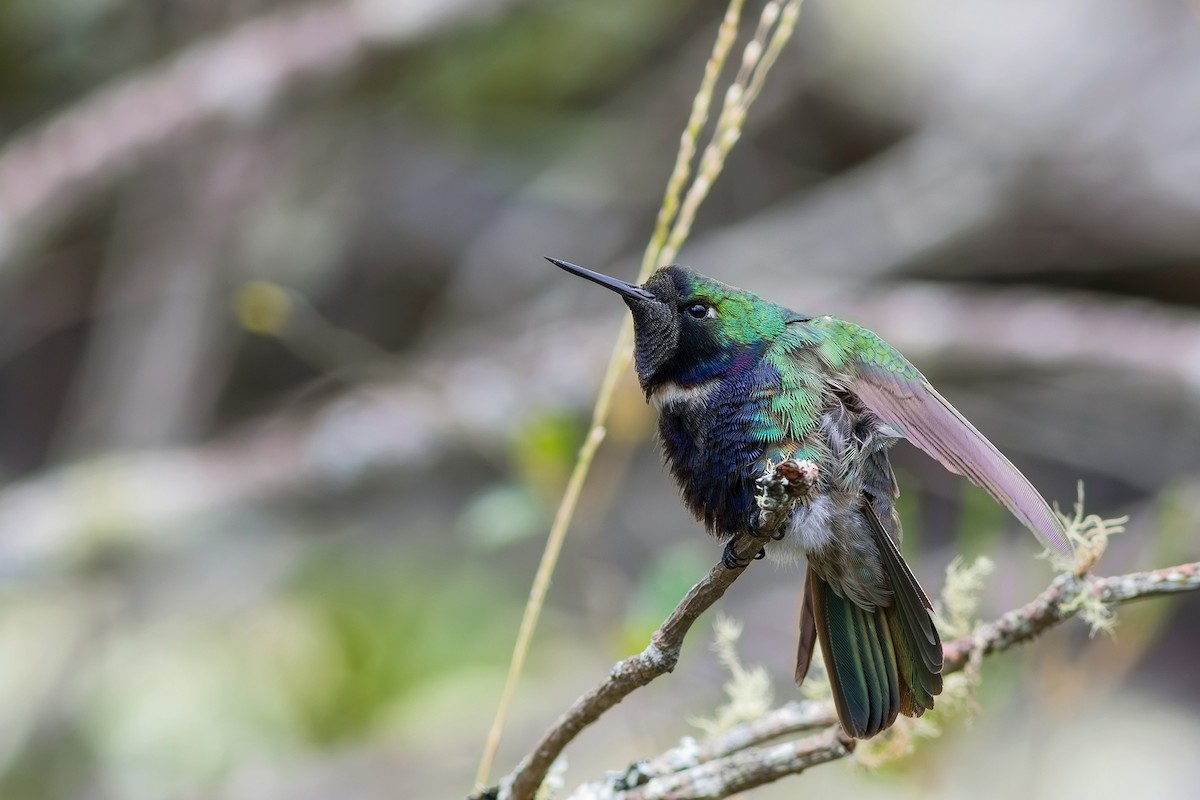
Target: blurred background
<point>289,395</point>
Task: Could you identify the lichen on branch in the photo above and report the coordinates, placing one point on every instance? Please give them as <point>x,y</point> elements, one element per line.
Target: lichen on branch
<point>741,755</point>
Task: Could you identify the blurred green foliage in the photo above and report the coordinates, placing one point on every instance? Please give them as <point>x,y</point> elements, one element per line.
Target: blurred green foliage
<point>671,572</point>
<point>388,627</point>
<point>357,634</point>
<point>535,63</point>
<point>500,516</point>
<point>542,451</point>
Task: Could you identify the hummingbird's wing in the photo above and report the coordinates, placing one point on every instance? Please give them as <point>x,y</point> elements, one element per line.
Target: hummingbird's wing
<point>896,392</point>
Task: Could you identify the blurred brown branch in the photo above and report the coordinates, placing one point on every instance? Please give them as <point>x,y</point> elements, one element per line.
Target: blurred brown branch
<point>232,76</point>
<point>734,761</point>
<point>427,409</point>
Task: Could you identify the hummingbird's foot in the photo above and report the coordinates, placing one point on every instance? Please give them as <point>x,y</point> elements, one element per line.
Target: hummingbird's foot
<point>781,487</point>
<point>799,478</point>
<point>730,560</point>
<point>730,557</point>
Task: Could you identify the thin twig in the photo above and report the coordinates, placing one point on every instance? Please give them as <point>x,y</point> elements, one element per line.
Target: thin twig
<point>747,769</point>
<point>794,717</point>
<point>1056,604</point>
<point>778,497</point>
<point>659,658</point>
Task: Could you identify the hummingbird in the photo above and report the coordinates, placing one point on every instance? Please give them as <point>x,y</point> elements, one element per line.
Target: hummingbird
<point>740,384</point>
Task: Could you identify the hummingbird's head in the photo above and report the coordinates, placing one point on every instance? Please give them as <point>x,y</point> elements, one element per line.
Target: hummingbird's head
<point>688,328</point>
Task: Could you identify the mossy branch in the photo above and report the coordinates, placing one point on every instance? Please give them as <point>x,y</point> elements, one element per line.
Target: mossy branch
<point>742,757</point>
<point>231,76</point>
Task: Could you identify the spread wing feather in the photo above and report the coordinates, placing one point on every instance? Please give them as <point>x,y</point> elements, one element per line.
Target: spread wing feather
<point>892,388</point>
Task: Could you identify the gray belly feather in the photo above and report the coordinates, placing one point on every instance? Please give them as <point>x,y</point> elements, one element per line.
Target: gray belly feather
<point>831,534</point>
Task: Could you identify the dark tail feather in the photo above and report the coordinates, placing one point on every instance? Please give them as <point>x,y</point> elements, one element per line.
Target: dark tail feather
<point>881,662</point>
<point>808,630</point>
<point>918,645</point>
<point>859,658</point>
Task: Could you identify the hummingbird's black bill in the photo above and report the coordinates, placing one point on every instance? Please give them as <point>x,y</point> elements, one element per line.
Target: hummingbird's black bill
<point>620,287</point>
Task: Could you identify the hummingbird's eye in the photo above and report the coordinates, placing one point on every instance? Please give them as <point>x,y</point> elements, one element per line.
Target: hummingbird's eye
<point>701,310</point>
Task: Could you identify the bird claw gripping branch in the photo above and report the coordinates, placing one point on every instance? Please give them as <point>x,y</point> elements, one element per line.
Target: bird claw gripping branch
<point>781,487</point>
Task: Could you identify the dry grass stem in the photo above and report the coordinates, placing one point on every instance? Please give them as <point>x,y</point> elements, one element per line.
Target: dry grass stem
<point>671,230</point>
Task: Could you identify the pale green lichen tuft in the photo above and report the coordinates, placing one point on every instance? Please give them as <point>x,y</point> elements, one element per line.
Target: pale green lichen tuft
<point>1099,616</point>
<point>748,689</point>
<point>960,595</point>
<point>1088,535</point>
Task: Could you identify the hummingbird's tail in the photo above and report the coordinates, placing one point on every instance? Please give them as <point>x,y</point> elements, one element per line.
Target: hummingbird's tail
<point>880,663</point>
